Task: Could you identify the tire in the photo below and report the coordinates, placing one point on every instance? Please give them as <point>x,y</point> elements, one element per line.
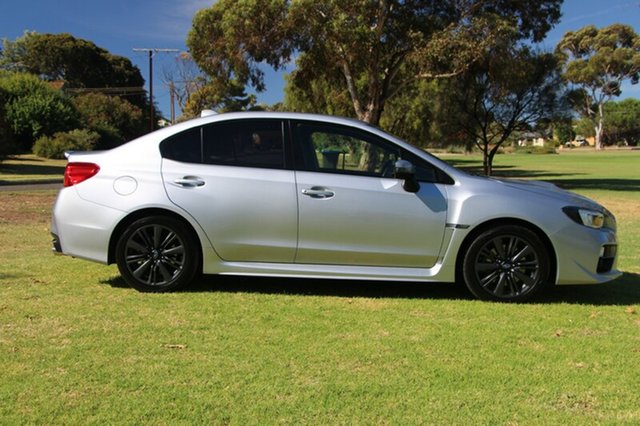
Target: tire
<point>157,254</point>
<point>507,263</point>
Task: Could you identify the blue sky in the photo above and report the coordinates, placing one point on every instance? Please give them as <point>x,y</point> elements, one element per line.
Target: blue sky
<point>122,25</point>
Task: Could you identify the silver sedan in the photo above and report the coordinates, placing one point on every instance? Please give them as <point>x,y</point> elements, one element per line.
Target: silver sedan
<point>299,195</point>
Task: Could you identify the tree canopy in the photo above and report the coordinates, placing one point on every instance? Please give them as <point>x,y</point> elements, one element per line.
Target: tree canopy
<point>33,106</point>
<point>597,61</point>
<point>511,90</point>
<point>78,62</point>
<point>372,50</point>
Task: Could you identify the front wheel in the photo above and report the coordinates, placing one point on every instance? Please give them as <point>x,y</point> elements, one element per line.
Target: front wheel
<point>156,254</point>
<point>508,263</point>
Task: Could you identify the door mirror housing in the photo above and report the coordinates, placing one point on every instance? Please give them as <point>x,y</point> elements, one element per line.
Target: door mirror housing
<point>406,171</point>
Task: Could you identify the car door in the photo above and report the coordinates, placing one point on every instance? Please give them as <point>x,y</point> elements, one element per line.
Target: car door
<point>351,209</point>
<point>231,178</point>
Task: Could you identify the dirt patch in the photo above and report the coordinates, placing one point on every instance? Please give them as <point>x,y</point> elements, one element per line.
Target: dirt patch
<point>26,207</point>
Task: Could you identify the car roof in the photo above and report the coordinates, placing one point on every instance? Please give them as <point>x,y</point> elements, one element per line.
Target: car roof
<point>278,115</point>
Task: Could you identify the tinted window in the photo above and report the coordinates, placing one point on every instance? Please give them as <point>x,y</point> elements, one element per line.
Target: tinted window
<point>252,143</point>
<point>343,150</point>
<point>185,146</point>
<point>425,171</point>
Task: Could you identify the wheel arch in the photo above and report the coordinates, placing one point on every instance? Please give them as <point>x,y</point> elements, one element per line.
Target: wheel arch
<point>479,229</point>
<point>139,214</point>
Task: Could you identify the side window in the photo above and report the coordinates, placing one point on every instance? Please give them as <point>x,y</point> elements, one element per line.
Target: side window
<point>250,143</point>
<point>184,146</point>
<point>343,150</point>
<point>427,172</point>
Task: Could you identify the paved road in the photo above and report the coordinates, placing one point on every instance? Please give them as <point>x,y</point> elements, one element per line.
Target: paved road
<point>30,187</point>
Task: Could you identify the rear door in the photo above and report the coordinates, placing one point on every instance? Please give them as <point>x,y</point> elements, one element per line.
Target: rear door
<point>231,178</point>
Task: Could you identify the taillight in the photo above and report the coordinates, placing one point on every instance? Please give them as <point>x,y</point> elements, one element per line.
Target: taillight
<point>75,173</point>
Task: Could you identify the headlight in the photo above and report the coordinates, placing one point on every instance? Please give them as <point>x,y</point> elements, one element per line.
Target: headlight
<point>587,217</point>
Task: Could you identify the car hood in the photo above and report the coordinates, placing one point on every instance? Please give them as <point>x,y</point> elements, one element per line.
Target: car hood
<point>547,189</point>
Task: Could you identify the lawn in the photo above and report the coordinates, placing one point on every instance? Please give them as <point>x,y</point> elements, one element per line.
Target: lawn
<point>31,169</point>
<point>77,346</point>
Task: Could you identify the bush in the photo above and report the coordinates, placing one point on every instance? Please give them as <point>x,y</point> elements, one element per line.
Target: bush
<point>457,149</point>
<point>535,150</point>
<point>114,119</point>
<point>31,108</point>
<point>75,140</point>
<point>7,146</point>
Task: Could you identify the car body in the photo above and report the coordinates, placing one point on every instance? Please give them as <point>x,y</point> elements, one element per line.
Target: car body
<point>301,195</point>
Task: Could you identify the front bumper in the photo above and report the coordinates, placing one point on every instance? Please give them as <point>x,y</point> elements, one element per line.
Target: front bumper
<point>585,255</point>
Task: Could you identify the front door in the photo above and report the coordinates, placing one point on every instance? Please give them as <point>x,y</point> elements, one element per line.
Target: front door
<point>351,209</point>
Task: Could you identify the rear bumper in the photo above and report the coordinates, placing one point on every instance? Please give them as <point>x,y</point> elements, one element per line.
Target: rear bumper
<point>81,228</point>
<point>56,247</point>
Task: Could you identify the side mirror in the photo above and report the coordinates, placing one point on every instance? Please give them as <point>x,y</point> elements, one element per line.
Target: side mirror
<point>406,171</point>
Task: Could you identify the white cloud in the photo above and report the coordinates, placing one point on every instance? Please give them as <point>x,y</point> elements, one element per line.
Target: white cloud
<point>170,21</point>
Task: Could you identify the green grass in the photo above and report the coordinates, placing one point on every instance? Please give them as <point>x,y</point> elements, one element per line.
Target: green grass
<point>24,169</point>
<point>77,346</point>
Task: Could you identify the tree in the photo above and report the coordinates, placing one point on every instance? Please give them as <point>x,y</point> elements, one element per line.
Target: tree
<point>32,109</point>
<point>598,61</point>
<point>195,91</point>
<point>184,79</point>
<point>78,62</point>
<point>512,89</point>
<point>563,131</point>
<point>81,64</point>
<point>623,122</point>
<point>115,120</point>
<point>7,144</point>
<point>372,50</point>
<point>222,97</point>
<point>319,96</point>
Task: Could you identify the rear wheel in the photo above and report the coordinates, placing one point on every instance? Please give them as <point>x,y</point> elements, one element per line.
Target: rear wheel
<point>507,263</point>
<point>156,254</point>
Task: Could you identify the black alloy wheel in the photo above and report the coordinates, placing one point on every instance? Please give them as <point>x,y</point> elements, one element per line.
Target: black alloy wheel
<point>157,254</point>
<point>507,263</point>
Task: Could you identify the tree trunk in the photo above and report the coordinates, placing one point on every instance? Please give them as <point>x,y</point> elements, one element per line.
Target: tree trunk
<point>599,127</point>
<point>486,160</point>
<point>369,159</point>
<point>487,164</point>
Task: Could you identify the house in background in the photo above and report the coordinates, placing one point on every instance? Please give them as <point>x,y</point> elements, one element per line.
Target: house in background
<point>531,139</point>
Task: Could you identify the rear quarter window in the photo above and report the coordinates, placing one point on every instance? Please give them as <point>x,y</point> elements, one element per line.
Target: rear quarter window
<point>185,146</point>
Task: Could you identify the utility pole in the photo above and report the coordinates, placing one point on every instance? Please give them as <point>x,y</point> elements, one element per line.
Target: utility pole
<point>151,51</point>
<point>172,91</point>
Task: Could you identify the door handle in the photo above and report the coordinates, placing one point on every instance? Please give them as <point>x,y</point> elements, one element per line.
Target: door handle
<point>318,192</point>
<point>189,181</point>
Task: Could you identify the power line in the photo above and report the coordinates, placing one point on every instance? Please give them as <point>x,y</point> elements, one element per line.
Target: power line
<point>107,90</point>
<point>151,51</point>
